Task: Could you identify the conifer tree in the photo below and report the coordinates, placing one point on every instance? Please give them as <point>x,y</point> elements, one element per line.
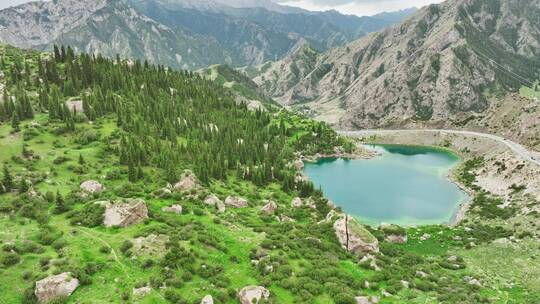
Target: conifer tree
<point>60,204</point>
<point>15,121</point>
<point>23,186</point>
<point>7,179</point>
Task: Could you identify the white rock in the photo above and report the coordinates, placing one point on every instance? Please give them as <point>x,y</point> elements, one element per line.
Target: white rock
<point>253,294</point>
<point>173,209</point>
<point>207,300</point>
<point>296,202</point>
<point>425,237</point>
<point>188,182</point>
<point>236,202</point>
<point>92,186</point>
<point>367,300</point>
<point>125,214</point>
<point>152,245</point>
<point>62,285</point>
<point>269,208</point>
<point>141,292</point>
<point>353,237</point>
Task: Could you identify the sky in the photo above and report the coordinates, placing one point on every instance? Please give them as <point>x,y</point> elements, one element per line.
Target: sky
<point>352,7</point>
<point>8,3</point>
<point>358,7</point>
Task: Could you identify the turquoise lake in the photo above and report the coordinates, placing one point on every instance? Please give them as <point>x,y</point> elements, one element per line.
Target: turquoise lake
<point>404,185</point>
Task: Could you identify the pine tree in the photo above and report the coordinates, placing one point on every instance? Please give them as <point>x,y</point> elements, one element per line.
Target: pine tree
<point>23,186</point>
<point>81,160</point>
<point>132,173</point>
<point>7,180</point>
<point>15,122</point>
<point>60,204</point>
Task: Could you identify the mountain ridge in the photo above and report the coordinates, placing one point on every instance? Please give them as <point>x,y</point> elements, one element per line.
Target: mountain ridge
<point>186,34</point>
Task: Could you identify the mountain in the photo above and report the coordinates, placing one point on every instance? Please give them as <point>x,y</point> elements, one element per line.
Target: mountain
<point>446,65</point>
<point>179,33</point>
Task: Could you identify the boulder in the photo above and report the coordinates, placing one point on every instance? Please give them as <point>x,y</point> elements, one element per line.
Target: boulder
<point>269,208</point>
<point>92,186</point>
<point>75,105</point>
<point>213,200</point>
<point>354,237</point>
<point>187,182</point>
<point>253,294</point>
<point>299,164</point>
<point>367,300</point>
<point>142,291</point>
<point>207,300</point>
<point>57,286</point>
<point>236,202</point>
<point>151,245</point>
<point>173,209</point>
<point>297,202</point>
<point>124,214</point>
<point>394,233</point>
<point>425,237</point>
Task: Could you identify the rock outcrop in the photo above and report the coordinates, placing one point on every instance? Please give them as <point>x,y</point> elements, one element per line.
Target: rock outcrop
<point>236,202</point>
<point>187,182</point>
<point>126,213</point>
<point>91,186</point>
<point>173,209</point>
<point>57,286</point>
<point>151,245</point>
<point>253,294</point>
<point>354,237</point>
<point>269,208</point>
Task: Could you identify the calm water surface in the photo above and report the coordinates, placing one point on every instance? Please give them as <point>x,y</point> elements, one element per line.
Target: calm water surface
<point>405,185</point>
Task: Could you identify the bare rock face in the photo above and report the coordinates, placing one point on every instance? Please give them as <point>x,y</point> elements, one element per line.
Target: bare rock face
<point>152,245</point>
<point>131,212</point>
<point>173,209</point>
<point>354,237</point>
<point>50,288</point>
<point>213,200</point>
<point>253,294</point>
<point>188,182</point>
<point>269,208</point>
<point>207,300</point>
<point>236,202</point>
<point>92,186</point>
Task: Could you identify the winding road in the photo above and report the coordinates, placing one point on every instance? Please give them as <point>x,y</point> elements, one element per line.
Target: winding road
<point>520,150</point>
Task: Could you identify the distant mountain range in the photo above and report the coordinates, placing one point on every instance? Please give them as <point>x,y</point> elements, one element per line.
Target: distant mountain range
<point>187,34</point>
<point>448,65</point>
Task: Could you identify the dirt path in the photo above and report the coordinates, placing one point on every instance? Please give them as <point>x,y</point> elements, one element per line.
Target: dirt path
<point>518,149</point>
<point>117,260</point>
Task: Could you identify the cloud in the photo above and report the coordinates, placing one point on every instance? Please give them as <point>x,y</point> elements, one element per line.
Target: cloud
<point>358,7</point>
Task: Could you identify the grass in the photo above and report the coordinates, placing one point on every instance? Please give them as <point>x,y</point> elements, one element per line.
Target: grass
<point>529,92</point>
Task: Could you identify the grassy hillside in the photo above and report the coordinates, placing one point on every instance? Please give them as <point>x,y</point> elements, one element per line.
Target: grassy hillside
<point>140,127</point>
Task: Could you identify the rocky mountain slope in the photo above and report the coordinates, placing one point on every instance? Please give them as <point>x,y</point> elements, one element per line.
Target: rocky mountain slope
<point>181,33</point>
<point>446,65</point>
